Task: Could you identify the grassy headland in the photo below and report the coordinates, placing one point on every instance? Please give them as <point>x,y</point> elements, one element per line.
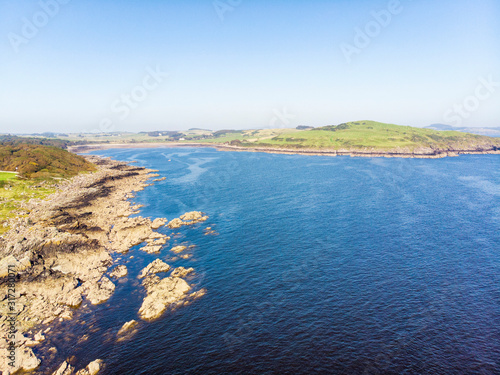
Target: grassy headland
<point>364,136</point>
<point>39,169</point>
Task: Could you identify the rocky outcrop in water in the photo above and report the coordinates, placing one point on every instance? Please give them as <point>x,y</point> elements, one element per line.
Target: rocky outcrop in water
<point>156,266</point>
<point>127,327</point>
<point>159,222</point>
<point>92,368</point>
<point>178,249</point>
<point>189,218</point>
<point>182,272</point>
<point>98,292</point>
<point>119,272</point>
<point>161,294</point>
<point>155,243</point>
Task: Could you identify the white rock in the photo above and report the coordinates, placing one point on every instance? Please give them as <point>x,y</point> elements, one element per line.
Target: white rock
<point>64,369</point>
<point>154,267</point>
<point>119,271</point>
<point>127,327</point>
<point>178,249</point>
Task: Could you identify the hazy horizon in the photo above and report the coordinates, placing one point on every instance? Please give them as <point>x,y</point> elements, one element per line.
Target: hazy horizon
<point>96,131</point>
<point>135,66</point>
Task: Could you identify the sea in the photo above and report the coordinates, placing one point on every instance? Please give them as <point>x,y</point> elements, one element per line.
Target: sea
<point>311,265</point>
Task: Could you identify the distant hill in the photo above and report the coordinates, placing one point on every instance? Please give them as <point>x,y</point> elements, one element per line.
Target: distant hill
<point>490,132</point>
<point>40,161</point>
<point>14,140</point>
<point>367,137</point>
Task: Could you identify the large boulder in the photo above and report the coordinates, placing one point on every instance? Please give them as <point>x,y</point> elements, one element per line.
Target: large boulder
<point>24,360</point>
<point>92,368</point>
<point>157,223</point>
<point>99,292</point>
<point>64,369</point>
<point>127,327</point>
<point>162,294</point>
<point>119,271</point>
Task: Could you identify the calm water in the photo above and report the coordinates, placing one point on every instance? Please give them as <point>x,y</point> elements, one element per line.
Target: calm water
<point>322,265</point>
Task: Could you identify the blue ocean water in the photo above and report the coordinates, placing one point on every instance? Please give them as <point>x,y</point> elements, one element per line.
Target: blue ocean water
<point>321,265</point>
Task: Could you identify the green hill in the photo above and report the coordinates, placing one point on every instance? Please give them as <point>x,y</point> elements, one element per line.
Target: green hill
<point>366,136</point>
<point>39,161</point>
<point>38,166</point>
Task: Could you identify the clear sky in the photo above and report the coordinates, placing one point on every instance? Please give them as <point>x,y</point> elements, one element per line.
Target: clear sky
<point>123,65</point>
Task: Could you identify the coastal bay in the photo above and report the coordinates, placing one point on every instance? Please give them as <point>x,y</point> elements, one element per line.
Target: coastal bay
<point>378,261</point>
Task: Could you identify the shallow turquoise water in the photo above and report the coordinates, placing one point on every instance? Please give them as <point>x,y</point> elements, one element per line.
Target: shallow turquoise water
<point>322,265</point>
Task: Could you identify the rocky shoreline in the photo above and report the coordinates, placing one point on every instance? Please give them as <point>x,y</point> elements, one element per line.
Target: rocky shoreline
<point>56,259</point>
<point>422,153</point>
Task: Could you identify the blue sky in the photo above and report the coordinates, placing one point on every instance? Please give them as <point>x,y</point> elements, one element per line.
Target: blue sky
<point>72,66</point>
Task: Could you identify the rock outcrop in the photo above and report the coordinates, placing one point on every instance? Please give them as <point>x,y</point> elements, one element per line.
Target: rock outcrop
<point>119,272</point>
<point>92,368</point>
<point>64,369</point>
<point>161,294</point>
<point>154,267</point>
<point>181,272</point>
<point>189,218</point>
<point>159,222</point>
<point>98,292</point>
<point>127,327</point>
<point>20,359</point>
<point>178,249</point>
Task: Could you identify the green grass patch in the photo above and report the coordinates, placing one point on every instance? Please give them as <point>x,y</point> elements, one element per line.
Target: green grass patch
<point>7,176</point>
<point>14,191</point>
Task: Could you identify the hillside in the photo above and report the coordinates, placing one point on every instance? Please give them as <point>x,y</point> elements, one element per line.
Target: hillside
<point>39,161</point>
<point>16,140</point>
<point>38,166</point>
<point>363,136</point>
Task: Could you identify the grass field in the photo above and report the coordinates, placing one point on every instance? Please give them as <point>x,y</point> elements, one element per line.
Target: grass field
<point>7,176</point>
<point>13,192</point>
